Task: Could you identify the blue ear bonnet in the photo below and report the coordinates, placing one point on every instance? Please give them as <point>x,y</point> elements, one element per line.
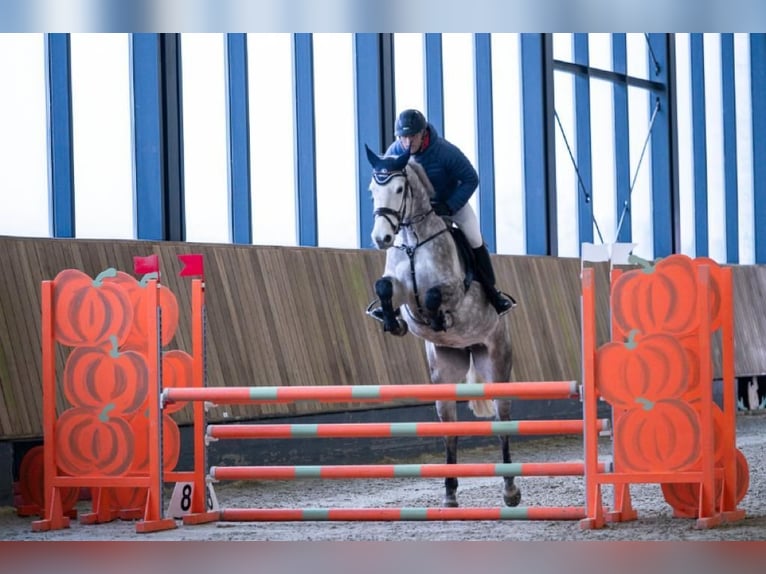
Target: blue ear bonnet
<point>384,168</point>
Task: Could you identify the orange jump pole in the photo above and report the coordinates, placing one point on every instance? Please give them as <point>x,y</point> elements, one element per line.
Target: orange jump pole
<point>376,393</point>
<point>385,430</point>
<point>400,470</point>
<point>401,514</point>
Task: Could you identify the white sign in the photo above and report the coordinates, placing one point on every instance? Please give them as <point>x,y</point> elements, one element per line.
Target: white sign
<point>181,500</point>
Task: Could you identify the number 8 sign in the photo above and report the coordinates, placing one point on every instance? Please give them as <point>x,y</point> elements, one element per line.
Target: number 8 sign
<point>180,501</point>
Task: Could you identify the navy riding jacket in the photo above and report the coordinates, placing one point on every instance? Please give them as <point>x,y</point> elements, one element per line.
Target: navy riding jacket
<point>452,176</point>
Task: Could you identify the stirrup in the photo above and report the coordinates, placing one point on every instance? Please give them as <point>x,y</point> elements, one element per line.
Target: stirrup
<point>377,312</point>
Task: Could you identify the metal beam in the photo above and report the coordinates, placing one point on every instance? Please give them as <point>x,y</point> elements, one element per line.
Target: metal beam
<point>699,144</point>
<point>485,137</point>
<point>621,139</point>
<point>238,131</point>
<point>758,105</point>
<point>664,190</point>
<point>583,134</point>
<point>730,148</point>
<point>305,139</point>
<point>539,153</point>
<point>147,136</point>
<point>60,150</point>
<point>434,82</point>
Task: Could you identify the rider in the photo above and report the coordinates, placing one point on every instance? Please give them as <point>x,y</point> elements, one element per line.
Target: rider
<point>454,180</point>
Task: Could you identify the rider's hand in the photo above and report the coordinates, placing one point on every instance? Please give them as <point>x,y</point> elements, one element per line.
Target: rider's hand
<point>441,208</point>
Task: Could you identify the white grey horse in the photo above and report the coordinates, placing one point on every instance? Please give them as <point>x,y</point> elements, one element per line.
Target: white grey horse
<point>425,290</point>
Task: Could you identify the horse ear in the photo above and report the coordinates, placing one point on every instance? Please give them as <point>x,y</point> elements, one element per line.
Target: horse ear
<point>372,157</point>
<point>400,161</point>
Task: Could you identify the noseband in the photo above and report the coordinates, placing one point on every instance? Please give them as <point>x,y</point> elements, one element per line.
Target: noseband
<point>382,178</point>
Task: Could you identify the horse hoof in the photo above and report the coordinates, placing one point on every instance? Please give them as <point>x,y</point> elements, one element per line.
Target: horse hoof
<point>512,497</point>
<point>450,501</point>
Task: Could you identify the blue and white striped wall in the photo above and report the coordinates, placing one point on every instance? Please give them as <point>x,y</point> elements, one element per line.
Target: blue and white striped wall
<point>259,138</point>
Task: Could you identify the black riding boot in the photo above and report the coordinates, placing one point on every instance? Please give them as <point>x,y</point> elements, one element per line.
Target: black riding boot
<point>486,276</point>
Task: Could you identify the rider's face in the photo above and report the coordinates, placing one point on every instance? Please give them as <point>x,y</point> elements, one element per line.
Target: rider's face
<point>413,142</point>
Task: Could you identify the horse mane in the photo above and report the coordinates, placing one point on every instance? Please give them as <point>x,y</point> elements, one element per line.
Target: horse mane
<point>422,177</point>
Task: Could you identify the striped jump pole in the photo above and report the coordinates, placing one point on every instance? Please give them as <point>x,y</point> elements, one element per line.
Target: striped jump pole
<point>385,430</point>
<point>375,393</point>
<point>402,514</point>
<point>400,470</point>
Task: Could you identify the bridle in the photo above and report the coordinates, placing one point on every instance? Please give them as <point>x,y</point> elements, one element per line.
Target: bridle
<point>382,178</point>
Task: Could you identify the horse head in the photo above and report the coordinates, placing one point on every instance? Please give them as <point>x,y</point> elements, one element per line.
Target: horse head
<point>389,188</point>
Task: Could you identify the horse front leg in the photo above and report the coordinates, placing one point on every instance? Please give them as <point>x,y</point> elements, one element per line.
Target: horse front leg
<point>392,322</point>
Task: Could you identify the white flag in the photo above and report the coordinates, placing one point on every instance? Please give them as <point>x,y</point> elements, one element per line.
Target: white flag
<point>595,253</point>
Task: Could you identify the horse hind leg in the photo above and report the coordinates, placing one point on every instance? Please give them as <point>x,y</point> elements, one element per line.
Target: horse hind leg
<point>511,492</point>
<point>496,367</point>
<point>448,366</point>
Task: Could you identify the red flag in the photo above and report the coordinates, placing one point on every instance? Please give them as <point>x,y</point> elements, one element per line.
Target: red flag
<point>144,265</point>
<point>192,265</point>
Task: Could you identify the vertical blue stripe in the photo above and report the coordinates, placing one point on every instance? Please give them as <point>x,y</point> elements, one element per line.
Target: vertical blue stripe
<point>368,86</point>
<point>758,105</point>
<point>238,130</point>
<point>435,82</point>
<point>533,97</point>
<point>699,144</point>
<point>60,154</point>
<point>582,123</point>
<point>485,137</point>
<point>662,189</point>
<point>147,136</point>
<point>621,138</point>
<point>730,148</point>
<point>305,139</point>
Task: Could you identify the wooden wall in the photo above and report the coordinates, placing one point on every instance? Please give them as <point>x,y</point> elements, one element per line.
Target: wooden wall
<point>295,316</point>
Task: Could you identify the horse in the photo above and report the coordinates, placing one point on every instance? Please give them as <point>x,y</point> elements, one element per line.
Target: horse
<point>427,290</point>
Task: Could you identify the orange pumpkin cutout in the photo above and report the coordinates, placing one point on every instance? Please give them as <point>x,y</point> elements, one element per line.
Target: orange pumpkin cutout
<point>177,371</point>
<point>96,377</point>
<point>137,293</point>
<point>88,311</point>
<point>715,290</point>
<point>32,483</point>
<point>171,442</point>
<point>661,297</point>
<point>661,436</point>
<point>683,497</point>
<point>90,442</point>
<point>649,368</point>
<point>127,498</point>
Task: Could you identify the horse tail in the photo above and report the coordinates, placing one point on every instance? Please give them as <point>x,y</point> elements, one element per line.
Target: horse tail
<point>481,408</point>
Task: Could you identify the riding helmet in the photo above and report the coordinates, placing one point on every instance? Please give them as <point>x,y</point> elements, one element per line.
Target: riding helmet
<point>410,122</point>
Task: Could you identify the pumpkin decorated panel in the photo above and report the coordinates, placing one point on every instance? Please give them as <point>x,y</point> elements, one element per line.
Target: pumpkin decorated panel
<point>683,497</point>
<point>177,371</point>
<point>32,482</point>
<point>89,311</point>
<point>171,442</point>
<point>643,368</point>
<point>715,290</point>
<point>659,297</point>
<point>100,377</point>
<point>661,436</point>
<point>91,442</point>
<point>137,293</point>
